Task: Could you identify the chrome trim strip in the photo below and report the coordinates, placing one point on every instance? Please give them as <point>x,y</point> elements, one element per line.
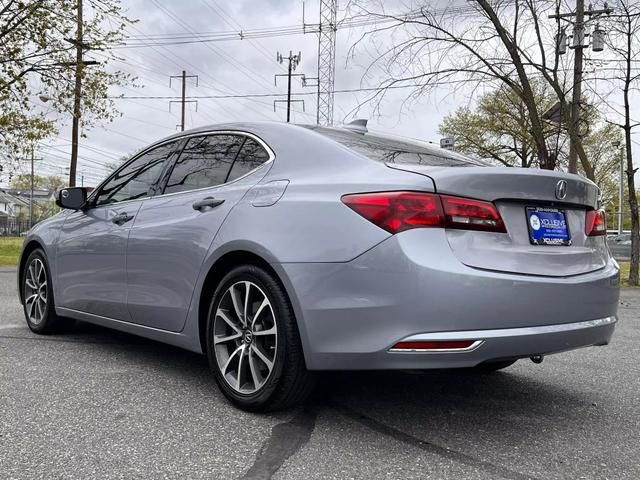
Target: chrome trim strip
<point>272,157</point>
<point>510,332</point>
<point>214,187</point>
<point>470,348</point>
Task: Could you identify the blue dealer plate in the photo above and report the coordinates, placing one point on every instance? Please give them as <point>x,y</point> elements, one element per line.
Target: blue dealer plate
<point>548,226</point>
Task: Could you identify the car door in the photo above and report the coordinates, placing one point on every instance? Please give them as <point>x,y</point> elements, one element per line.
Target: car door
<point>91,248</point>
<point>173,231</point>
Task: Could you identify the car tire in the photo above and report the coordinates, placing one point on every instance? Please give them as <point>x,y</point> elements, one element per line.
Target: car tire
<point>490,367</point>
<point>253,343</point>
<point>37,294</point>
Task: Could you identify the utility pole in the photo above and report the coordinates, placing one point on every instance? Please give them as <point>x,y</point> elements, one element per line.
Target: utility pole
<point>79,64</point>
<point>184,100</point>
<point>293,60</point>
<point>32,159</point>
<point>77,93</point>
<point>579,35</point>
<point>578,45</point>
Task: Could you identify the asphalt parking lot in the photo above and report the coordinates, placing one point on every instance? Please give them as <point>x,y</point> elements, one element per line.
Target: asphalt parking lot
<point>101,404</point>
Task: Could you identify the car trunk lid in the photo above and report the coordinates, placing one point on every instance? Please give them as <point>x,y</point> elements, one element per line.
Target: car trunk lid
<point>513,191</point>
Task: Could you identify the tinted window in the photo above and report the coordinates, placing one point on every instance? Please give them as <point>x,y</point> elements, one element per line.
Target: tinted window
<point>204,162</point>
<point>390,150</point>
<point>136,179</point>
<point>251,156</point>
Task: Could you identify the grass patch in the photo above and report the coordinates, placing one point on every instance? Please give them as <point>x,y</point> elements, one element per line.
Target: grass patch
<point>10,250</point>
<point>624,273</point>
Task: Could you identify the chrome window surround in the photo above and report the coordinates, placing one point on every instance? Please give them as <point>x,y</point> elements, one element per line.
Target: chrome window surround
<point>262,143</point>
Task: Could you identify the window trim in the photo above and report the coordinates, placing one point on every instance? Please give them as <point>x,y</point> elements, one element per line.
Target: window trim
<point>91,201</point>
<point>182,138</point>
<point>239,133</point>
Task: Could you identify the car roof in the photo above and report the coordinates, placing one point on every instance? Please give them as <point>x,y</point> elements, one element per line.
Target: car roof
<point>270,128</point>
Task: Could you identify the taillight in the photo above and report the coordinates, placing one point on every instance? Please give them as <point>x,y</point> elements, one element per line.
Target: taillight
<point>595,223</point>
<point>472,214</point>
<point>399,211</point>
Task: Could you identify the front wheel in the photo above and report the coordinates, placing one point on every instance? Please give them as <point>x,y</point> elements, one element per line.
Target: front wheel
<point>37,294</point>
<point>253,344</point>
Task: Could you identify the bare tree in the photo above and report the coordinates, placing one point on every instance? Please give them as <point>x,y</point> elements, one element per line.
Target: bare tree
<point>510,43</point>
<point>624,40</point>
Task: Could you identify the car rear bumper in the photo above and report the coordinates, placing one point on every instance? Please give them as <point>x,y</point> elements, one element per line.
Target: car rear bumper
<point>412,286</point>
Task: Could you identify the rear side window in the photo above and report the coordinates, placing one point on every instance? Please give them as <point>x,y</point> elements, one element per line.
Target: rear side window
<point>251,156</point>
<point>204,162</point>
<point>390,150</point>
<point>137,178</point>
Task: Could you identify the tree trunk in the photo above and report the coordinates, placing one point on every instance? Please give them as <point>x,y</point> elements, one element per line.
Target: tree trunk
<point>526,94</point>
<point>635,220</point>
<point>633,200</point>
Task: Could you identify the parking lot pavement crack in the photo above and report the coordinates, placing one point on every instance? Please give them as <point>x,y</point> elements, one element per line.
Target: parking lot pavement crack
<point>285,440</point>
<point>375,425</point>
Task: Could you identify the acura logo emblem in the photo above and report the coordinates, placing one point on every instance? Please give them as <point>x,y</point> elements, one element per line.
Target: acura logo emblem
<point>561,189</point>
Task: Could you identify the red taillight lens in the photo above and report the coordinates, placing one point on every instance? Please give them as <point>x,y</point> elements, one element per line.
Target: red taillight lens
<point>399,211</point>
<point>595,223</point>
<point>471,214</point>
<point>434,345</point>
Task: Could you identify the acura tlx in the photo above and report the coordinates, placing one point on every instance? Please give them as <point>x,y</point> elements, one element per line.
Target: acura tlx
<point>280,250</point>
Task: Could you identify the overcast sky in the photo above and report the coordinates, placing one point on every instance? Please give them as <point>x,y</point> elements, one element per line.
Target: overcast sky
<point>231,67</point>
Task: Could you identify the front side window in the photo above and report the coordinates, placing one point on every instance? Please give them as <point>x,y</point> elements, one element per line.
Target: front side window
<point>251,156</point>
<point>204,162</point>
<point>137,178</point>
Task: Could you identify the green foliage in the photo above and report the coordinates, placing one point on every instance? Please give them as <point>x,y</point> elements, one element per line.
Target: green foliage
<point>37,56</point>
<point>499,130</point>
<point>23,182</point>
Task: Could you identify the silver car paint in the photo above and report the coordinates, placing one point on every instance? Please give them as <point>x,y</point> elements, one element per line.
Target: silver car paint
<point>355,288</point>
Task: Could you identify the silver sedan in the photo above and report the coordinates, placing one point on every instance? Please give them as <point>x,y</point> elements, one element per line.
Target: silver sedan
<point>281,250</point>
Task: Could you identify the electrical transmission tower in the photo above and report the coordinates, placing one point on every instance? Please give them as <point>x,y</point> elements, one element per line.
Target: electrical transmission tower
<point>326,61</point>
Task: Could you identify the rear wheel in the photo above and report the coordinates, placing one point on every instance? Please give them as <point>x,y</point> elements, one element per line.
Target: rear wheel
<point>253,342</point>
<point>37,292</point>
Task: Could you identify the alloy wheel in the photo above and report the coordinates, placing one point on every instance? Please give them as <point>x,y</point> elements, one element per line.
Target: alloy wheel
<point>245,335</point>
<point>35,291</point>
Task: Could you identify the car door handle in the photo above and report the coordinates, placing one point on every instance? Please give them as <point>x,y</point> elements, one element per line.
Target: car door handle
<point>121,218</point>
<point>207,202</point>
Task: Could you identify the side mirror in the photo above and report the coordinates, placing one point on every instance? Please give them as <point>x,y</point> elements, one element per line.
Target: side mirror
<point>72,198</point>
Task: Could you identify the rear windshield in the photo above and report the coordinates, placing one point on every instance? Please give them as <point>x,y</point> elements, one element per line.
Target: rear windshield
<point>390,150</point>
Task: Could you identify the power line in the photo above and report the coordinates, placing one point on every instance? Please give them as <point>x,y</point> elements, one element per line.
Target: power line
<point>357,21</point>
<point>264,95</point>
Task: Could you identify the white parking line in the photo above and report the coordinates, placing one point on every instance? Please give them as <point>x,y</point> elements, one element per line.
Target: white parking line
<point>10,325</point>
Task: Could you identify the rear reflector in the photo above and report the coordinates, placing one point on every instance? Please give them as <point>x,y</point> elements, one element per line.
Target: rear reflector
<point>595,223</point>
<point>399,211</point>
<point>434,345</point>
